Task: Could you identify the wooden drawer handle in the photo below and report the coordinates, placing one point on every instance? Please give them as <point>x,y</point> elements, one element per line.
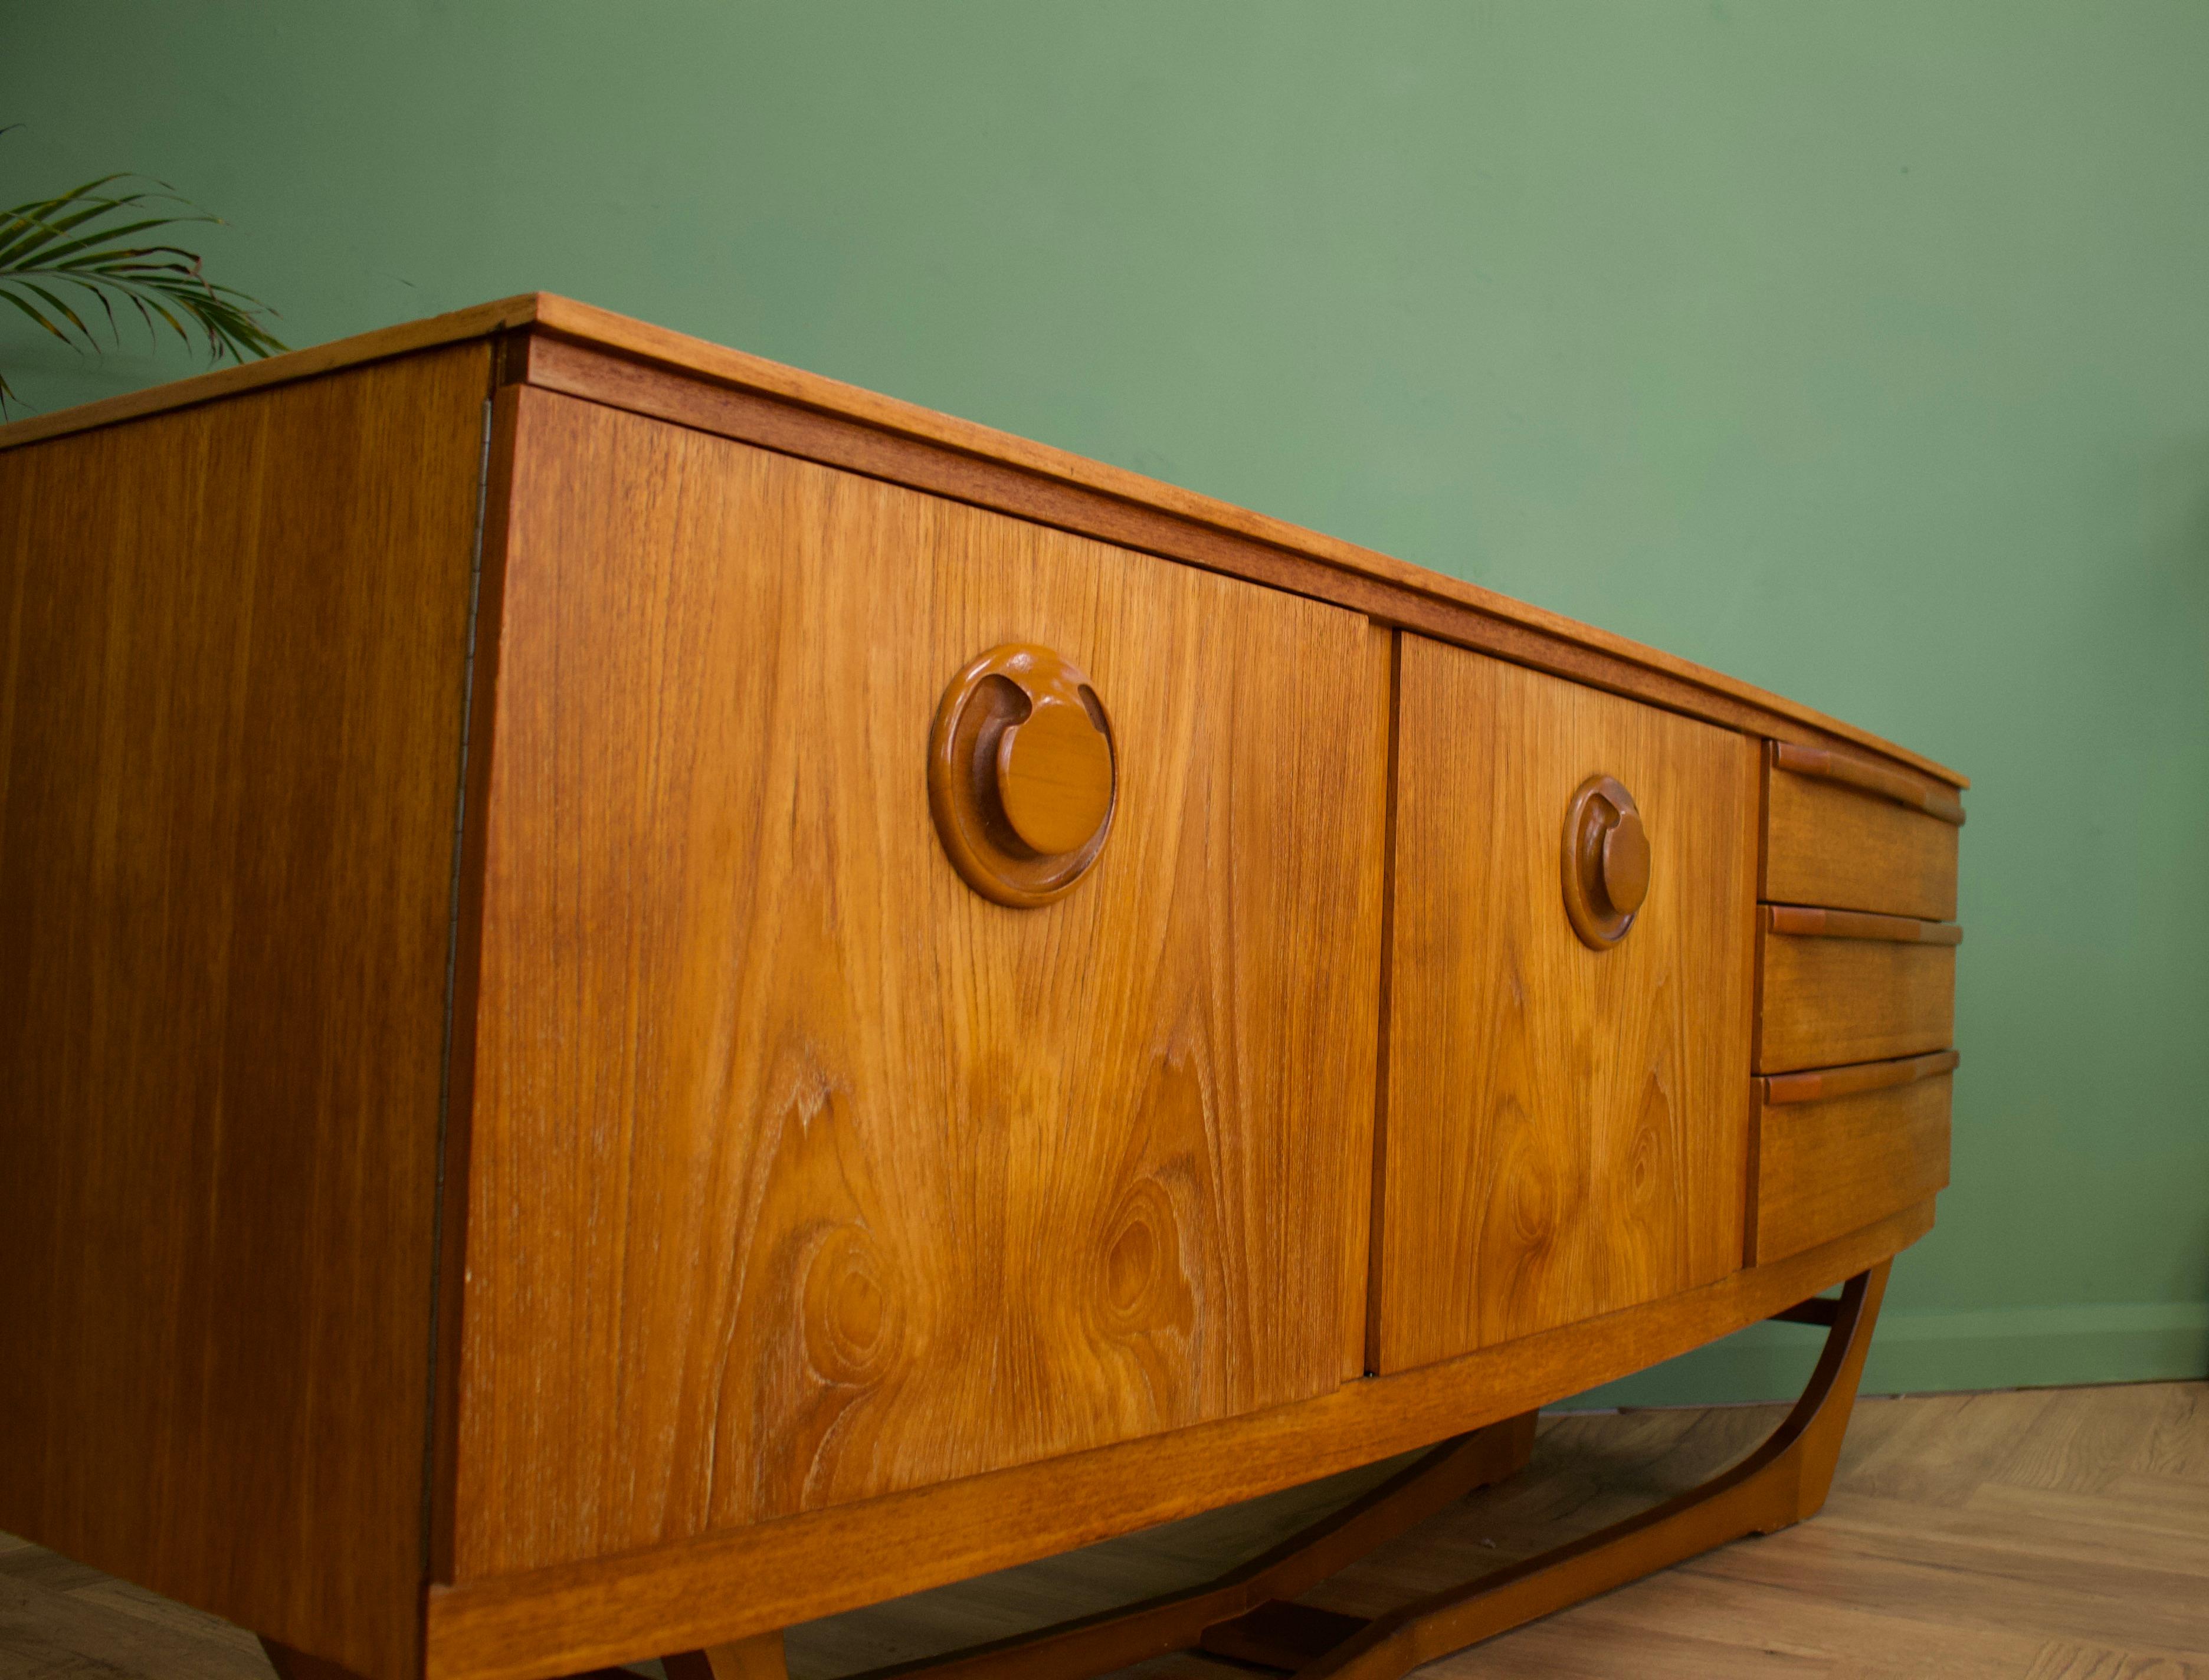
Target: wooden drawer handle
<point>1830,1082</point>
<point>1819,764</point>
<point>1803,922</point>
<point>1022,778</point>
<point>1606,862</point>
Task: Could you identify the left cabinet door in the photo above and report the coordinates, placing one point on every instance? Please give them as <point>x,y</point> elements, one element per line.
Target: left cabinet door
<point>802,1173</point>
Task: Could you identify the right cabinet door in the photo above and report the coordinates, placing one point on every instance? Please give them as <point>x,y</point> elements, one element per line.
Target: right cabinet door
<point>1565,1127</point>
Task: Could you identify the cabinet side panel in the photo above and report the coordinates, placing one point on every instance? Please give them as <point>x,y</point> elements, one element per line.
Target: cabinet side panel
<point>229,754</point>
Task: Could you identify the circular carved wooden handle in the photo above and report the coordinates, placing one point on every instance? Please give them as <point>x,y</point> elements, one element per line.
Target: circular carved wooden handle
<point>1606,861</point>
<point>1022,779</point>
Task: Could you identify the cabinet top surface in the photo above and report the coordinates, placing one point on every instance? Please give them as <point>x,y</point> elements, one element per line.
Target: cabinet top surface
<point>622,336</point>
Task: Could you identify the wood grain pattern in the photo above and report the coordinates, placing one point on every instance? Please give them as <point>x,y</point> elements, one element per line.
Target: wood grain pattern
<point>1828,843</point>
<point>1824,1167</point>
<point>803,1173</point>
<point>230,730</point>
<point>1260,1621</point>
<point>557,1620</point>
<point>1566,1127</point>
<point>1829,1002</point>
<point>818,420</point>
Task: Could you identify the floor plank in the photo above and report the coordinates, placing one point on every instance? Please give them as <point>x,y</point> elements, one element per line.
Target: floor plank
<point>2053,1535</point>
<point>2087,1436</point>
<point>2034,1522</point>
<point>1947,1582</point>
<point>2078,1662</point>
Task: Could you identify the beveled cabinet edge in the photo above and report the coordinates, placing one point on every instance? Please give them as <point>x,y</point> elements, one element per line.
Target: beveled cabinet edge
<point>1384,1002</point>
<point>478,741</point>
<point>594,353</point>
<point>566,1619</point>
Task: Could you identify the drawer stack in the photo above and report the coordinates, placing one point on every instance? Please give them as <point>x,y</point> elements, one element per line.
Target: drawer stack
<point>1856,985</point>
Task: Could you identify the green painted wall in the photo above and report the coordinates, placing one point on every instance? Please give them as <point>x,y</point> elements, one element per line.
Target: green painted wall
<point>1860,350</point>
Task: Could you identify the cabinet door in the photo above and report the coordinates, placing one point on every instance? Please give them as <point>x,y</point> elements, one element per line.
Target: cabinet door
<point>1566,1127</point>
<point>802,1173</point>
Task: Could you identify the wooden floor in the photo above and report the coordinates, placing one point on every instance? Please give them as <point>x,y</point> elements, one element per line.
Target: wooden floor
<point>2046,1534</point>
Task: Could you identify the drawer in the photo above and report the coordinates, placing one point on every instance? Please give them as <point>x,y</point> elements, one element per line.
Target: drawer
<point>1838,1149</point>
<point>1845,832</point>
<point>1566,1124</point>
<point>1840,987</point>
<point>802,1172</point>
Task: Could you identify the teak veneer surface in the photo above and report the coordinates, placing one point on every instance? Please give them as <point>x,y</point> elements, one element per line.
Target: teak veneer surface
<point>1358,577</point>
<point>1566,1128</point>
<point>803,1173</point>
<point>1830,1165</point>
<point>1829,844</point>
<point>230,711</point>
<point>1828,1002</point>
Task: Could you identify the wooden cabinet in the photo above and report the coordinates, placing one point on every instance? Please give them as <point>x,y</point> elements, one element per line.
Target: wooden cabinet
<point>643,997</point>
<point>1566,1127</point>
<point>837,1176</point>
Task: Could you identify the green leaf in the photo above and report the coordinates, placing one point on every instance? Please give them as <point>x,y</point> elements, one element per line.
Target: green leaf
<point>67,313</point>
<point>45,220</point>
<point>81,239</point>
<point>9,292</point>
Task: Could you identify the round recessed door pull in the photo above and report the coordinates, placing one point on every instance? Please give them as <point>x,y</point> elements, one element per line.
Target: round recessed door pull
<point>1606,858</point>
<point>1022,778</point>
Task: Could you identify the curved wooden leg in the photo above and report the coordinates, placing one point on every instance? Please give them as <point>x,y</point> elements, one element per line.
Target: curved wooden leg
<point>1782,1482</point>
<point>1249,1614</point>
<point>1179,1621</point>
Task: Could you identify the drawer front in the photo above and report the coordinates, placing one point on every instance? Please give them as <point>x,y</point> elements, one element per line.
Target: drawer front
<point>1836,1151</point>
<point>1566,1127</point>
<point>1840,987</point>
<point>802,1172</point>
<point>1830,841</point>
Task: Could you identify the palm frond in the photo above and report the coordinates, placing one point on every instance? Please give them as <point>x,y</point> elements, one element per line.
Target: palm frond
<point>79,245</point>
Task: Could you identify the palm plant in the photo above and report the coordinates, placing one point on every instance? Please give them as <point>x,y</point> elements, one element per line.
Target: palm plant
<point>86,243</point>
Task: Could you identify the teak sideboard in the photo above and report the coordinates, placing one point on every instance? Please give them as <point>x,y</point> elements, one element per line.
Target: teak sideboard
<point>644,997</point>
